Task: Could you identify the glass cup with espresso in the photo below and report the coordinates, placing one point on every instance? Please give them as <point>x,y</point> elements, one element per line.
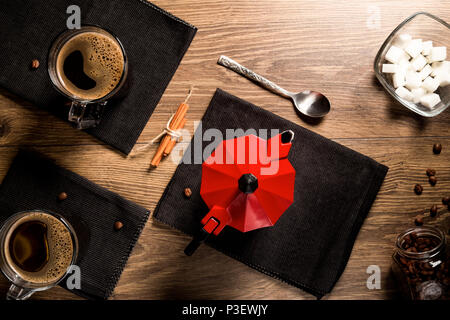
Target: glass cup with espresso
<point>88,66</point>
<point>37,251</point>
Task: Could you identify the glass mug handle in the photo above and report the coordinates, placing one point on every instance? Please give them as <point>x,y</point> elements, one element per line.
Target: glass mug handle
<point>18,293</point>
<point>76,113</point>
<point>83,119</point>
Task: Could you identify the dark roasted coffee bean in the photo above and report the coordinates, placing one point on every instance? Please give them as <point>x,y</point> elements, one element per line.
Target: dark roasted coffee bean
<point>437,148</point>
<point>446,200</point>
<point>427,266</point>
<point>418,189</point>
<point>34,64</point>
<point>408,239</point>
<point>433,210</point>
<point>431,172</point>
<point>432,180</point>
<point>118,225</point>
<point>422,248</point>
<point>62,196</point>
<point>418,221</point>
<point>187,192</point>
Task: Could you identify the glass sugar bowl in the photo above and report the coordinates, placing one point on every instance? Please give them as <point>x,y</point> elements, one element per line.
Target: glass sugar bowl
<point>421,264</point>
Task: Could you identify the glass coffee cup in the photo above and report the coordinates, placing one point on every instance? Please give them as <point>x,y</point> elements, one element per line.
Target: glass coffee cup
<point>37,250</point>
<point>89,66</point>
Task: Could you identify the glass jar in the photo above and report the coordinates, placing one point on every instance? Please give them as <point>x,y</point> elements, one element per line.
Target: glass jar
<point>421,264</point>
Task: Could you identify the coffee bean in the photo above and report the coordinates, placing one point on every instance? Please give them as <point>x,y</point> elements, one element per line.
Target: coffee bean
<point>446,200</point>
<point>433,210</point>
<point>35,64</point>
<point>431,172</point>
<point>418,189</point>
<point>62,196</point>
<point>437,148</point>
<point>118,225</point>
<point>432,180</point>
<point>418,221</point>
<point>187,192</point>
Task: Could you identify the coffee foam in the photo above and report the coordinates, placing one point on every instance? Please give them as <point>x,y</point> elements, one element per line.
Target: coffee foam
<point>60,247</point>
<point>103,61</point>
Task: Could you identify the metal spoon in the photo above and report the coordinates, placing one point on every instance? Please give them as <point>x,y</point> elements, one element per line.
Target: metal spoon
<point>311,103</point>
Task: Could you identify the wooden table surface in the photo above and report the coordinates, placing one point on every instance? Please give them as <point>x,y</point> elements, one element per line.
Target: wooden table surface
<point>327,46</point>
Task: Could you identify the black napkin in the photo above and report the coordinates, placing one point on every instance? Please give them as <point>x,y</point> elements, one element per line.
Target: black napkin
<point>155,42</point>
<point>310,244</point>
<point>34,182</point>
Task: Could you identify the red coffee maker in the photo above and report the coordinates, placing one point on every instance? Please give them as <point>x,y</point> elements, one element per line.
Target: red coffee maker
<point>247,183</point>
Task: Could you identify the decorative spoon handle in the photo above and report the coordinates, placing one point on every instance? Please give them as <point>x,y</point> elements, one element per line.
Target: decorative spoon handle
<point>236,67</point>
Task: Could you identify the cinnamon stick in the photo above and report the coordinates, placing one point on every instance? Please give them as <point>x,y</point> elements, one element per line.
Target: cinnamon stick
<point>174,125</point>
<point>173,141</point>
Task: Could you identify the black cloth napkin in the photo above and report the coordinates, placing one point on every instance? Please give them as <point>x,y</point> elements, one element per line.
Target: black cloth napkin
<point>154,40</point>
<point>310,244</point>
<point>34,182</point>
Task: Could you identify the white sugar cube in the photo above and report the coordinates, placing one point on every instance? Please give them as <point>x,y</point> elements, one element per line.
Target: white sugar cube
<point>414,47</point>
<point>398,79</point>
<point>430,84</point>
<point>404,93</point>
<point>445,65</point>
<point>425,72</point>
<point>403,66</point>
<point>430,100</point>
<point>418,62</point>
<point>394,54</point>
<point>426,47</point>
<point>440,67</point>
<point>443,79</point>
<point>389,68</point>
<point>402,40</point>
<point>417,94</point>
<point>437,54</point>
<point>405,56</point>
<point>413,80</point>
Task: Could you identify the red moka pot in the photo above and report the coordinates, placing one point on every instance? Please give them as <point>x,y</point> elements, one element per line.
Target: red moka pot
<point>247,183</point>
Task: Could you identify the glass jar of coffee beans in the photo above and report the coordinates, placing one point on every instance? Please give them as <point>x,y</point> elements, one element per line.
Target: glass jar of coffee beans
<point>421,264</point>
